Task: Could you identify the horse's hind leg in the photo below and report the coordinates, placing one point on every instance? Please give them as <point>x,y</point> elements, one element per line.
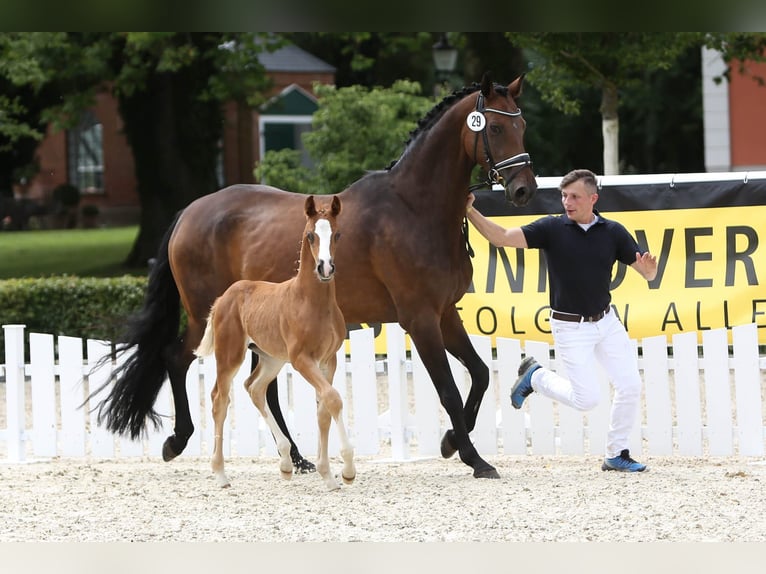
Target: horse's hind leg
<point>256,385</point>
<point>180,356</point>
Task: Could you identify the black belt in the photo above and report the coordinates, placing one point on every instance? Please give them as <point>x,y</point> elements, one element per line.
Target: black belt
<point>578,318</point>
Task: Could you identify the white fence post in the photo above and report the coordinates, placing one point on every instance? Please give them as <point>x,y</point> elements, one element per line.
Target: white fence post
<point>748,390</point>
<point>484,435</point>
<point>513,421</point>
<point>364,431</point>
<point>14,391</point>
<point>43,390</point>
<point>72,396</point>
<point>101,440</point>
<point>397,391</point>
<point>659,416</point>
<point>717,392</point>
<point>687,387</point>
<point>427,408</point>
<point>540,411</point>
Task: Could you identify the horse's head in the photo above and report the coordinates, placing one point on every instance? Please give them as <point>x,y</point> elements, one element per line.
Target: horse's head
<point>321,234</point>
<point>494,137</point>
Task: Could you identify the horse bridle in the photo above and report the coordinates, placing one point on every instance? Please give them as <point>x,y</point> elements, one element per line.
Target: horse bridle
<point>516,163</point>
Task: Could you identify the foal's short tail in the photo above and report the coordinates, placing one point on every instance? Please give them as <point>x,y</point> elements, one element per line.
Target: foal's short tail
<point>207,344</point>
<point>149,333</point>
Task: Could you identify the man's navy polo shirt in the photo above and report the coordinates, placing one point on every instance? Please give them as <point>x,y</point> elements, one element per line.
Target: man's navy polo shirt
<point>580,262</point>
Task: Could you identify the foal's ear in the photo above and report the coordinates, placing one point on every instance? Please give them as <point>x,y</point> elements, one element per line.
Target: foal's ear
<point>309,207</point>
<point>335,207</point>
<point>486,84</point>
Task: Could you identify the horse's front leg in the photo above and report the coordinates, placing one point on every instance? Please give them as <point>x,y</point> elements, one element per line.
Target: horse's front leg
<point>458,344</point>
<point>427,337</point>
<point>329,404</point>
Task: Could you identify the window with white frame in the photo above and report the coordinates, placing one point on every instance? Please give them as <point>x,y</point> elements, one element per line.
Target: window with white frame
<point>85,152</point>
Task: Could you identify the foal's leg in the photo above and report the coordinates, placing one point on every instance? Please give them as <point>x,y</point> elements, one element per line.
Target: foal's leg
<point>346,448</point>
<point>256,385</point>
<point>220,398</point>
<point>329,406</point>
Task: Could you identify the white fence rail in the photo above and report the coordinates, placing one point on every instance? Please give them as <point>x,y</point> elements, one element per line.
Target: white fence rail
<point>698,400</point>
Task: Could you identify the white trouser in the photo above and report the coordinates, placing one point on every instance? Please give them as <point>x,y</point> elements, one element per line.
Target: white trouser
<point>578,346</point>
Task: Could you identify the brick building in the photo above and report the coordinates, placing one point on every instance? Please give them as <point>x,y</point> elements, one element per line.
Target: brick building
<point>734,115</point>
<point>96,157</point>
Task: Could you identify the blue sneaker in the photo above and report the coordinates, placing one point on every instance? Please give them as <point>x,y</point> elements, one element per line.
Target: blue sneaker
<point>623,463</point>
<point>523,386</point>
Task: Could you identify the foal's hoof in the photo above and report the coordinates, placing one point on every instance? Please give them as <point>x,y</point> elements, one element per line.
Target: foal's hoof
<point>486,473</point>
<point>303,466</point>
<point>448,447</point>
<point>168,453</point>
<point>347,480</point>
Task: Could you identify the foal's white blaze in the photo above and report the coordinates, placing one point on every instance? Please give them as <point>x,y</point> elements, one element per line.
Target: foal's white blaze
<point>323,230</point>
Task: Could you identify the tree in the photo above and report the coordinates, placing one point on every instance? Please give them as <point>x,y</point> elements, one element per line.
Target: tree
<point>355,129</point>
<point>564,65</point>
<point>170,88</point>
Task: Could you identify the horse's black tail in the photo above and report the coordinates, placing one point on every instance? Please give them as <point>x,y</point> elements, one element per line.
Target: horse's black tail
<point>148,333</point>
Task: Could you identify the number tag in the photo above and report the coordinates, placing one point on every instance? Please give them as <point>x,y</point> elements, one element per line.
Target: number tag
<point>476,121</point>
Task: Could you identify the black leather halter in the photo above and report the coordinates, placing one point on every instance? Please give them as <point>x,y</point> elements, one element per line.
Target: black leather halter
<point>515,163</point>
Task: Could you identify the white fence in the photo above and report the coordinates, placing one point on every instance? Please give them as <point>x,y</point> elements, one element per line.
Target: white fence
<point>698,400</point>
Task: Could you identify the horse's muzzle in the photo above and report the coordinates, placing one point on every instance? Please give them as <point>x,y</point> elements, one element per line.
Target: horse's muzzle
<point>325,270</point>
<point>520,195</point>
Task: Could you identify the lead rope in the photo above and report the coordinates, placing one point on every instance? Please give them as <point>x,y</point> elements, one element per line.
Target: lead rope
<point>465,234</point>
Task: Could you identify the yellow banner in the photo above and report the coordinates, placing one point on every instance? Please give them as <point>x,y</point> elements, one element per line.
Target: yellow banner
<point>711,263</point>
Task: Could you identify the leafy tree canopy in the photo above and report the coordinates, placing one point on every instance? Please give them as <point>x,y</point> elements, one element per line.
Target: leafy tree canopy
<point>355,129</point>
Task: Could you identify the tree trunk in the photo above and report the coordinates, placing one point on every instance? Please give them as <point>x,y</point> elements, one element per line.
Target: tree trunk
<point>610,128</point>
<point>174,138</point>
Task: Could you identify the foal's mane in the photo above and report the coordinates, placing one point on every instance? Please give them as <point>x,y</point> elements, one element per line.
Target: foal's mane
<point>434,114</point>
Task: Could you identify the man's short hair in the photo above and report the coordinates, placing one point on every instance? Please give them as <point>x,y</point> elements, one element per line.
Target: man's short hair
<point>588,177</point>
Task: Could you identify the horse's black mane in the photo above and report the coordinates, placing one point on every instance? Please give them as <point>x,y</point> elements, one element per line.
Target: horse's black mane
<point>427,121</point>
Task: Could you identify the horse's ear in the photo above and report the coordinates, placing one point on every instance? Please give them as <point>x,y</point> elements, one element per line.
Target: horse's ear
<point>486,84</point>
<point>514,88</point>
<point>335,208</point>
<point>310,207</point>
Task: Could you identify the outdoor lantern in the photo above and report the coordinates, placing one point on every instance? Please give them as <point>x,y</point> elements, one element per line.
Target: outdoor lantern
<point>445,56</point>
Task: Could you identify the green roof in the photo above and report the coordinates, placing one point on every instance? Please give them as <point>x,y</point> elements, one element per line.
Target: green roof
<point>293,101</point>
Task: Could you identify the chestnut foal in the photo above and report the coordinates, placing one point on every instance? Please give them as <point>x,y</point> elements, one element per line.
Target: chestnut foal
<point>298,321</point>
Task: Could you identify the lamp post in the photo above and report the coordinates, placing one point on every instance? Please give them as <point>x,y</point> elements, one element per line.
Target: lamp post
<point>445,59</point>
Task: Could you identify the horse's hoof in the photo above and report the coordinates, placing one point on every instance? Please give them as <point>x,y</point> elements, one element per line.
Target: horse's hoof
<point>447,447</point>
<point>286,475</point>
<point>303,466</point>
<point>168,453</point>
<point>486,473</point>
<point>347,480</point>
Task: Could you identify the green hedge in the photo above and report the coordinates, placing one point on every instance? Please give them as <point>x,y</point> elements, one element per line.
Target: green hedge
<point>86,307</point>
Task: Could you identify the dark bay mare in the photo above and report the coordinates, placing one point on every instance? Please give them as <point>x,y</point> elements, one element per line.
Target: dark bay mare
<point>403,259</point>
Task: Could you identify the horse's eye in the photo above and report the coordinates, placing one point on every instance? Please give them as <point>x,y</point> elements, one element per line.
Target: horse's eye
<point>496,129</point>
<point>310,237</point>
<point>337,235</point>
